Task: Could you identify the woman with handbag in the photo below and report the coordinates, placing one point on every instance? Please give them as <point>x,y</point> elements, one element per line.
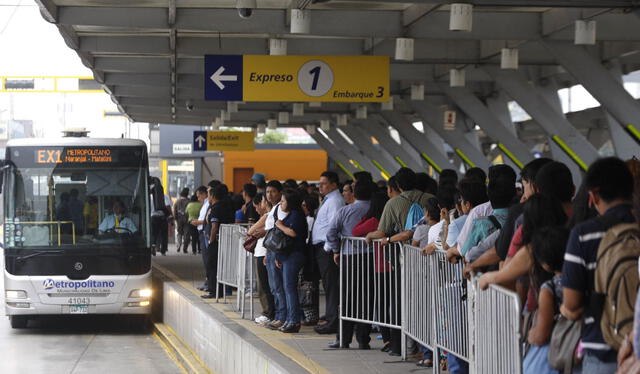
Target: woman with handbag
<point>287,240</point>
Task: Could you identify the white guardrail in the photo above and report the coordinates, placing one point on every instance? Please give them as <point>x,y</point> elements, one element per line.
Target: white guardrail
<point>235,266</point>
<point>439,308</point>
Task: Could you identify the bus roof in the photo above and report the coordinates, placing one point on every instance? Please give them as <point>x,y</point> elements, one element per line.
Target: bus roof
<point>70,141</point>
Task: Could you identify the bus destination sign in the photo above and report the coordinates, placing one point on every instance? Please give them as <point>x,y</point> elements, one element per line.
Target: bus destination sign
<point>73,156</point>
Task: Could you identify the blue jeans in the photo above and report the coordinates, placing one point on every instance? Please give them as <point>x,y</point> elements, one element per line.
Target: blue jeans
<point>592,365</point>
<point>291,266</point>
<point>427,354</point>
<point>275,284</point>
<point>456,365</point>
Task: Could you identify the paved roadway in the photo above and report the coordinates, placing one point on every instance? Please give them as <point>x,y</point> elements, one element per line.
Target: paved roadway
<point>95,344</point>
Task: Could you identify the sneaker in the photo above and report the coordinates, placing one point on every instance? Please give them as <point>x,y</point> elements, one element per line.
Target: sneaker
<point>262,320</point>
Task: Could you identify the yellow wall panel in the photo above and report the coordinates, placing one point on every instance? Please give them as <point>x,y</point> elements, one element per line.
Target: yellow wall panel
<point>277,164</point>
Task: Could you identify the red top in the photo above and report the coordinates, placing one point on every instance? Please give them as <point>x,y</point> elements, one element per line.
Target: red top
<point>365,226</point>
<point>381,259</point>
<point>516,242</point>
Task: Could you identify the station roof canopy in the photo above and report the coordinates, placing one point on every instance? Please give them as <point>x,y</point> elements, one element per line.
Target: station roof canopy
<point>148,54</point>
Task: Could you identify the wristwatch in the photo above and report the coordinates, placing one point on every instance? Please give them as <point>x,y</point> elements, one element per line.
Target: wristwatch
<point>388,239</point>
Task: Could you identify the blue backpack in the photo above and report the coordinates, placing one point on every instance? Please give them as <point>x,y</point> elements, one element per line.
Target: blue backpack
<point>415,214</point>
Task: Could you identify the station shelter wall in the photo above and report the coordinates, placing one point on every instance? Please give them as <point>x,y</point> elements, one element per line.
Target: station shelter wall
<point>299,164</point>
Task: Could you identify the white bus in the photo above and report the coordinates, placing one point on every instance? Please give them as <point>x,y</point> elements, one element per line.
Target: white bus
<point>76,227</point>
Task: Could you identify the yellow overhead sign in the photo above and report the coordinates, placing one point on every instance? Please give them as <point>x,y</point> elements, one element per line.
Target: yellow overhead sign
<point>297,78</point>
<point>223,140</point>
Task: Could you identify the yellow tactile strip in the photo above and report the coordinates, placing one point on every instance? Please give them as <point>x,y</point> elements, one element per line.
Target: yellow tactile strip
<point>275,339</point>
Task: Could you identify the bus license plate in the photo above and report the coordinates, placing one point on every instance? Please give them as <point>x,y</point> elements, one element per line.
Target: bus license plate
<point>78,309</point>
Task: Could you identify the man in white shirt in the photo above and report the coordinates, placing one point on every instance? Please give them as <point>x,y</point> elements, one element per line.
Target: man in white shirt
<point>329,273</point>
<point>202,193</point>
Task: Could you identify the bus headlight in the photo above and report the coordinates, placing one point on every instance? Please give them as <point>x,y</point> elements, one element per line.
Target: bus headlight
<point>138,303</point>
<point>18,305</point>
<point>142,293</point>
<point>16,294</point>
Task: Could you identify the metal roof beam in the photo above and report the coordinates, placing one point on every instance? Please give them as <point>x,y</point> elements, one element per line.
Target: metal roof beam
<point>527,3</point>
<point>505,25</point>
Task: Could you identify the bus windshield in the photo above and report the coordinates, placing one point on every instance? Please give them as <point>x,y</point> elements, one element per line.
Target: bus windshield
<point>76,197</point>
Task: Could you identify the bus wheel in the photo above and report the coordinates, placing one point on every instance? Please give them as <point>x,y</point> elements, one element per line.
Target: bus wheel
<point>18,322</point>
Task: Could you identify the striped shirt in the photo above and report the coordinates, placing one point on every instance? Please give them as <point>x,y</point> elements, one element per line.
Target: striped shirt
<point>578,274</point>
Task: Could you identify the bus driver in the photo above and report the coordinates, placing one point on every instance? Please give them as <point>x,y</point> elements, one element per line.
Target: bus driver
<point>117,220</point>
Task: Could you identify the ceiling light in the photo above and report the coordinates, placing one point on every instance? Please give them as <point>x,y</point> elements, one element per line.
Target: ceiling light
<point>277,47</point>
<point>509,59</point>
<point>388,105</point>
<point>300,21</point>
<point>585,32</point>
<point>298,109</point>
<point>457,78</point>
<point>361,112</point>
<point>461,17</point>
<point>404,49</point>
<point>417,92</point>
<point>343,119</point>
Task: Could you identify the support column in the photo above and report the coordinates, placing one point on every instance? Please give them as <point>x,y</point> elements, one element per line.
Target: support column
<point>546,115</point>
<point>434,154</point>
<point>352,150</point>
<point>549,92</point>
<point>335,154</point>
<point>499,106</point>
<point>623,144</point>
<point>433,117</point>
<point>509,143</point>
<point>400,155</point>
<point>378,156</point>
<point>600,83</point>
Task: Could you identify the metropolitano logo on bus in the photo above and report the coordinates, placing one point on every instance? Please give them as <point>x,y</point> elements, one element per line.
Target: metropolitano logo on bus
<point>93,286</point>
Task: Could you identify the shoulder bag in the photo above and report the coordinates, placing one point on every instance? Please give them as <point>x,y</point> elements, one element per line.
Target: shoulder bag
<point>250,243</point>
<point>276,240</point>
<point>564,340</point>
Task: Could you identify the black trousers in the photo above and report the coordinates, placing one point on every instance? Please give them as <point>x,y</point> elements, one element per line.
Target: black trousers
<point>357,297</point>
<point>264,290</point>
<point>160,232</point>
<point>329,272</point>
<point>396,312</point>
<point>212,266</point>
<point>191,236</point>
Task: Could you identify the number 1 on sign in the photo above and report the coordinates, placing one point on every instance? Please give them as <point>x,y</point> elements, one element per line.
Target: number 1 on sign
<point>315,78</point>
<point>316,74</point>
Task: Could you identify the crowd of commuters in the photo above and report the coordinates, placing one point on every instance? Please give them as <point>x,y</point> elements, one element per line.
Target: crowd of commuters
<point>572,257</point>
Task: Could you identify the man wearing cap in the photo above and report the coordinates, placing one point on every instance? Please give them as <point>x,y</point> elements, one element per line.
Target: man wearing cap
<point>259,180</point>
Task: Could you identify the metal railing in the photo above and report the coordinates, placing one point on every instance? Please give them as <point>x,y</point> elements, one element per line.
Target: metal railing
<point>496,330</point>
<point>370,283</point>
<point>439,308</point>
<point>235,266</point>
<point>451,309</point>
<point>417,291</point>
